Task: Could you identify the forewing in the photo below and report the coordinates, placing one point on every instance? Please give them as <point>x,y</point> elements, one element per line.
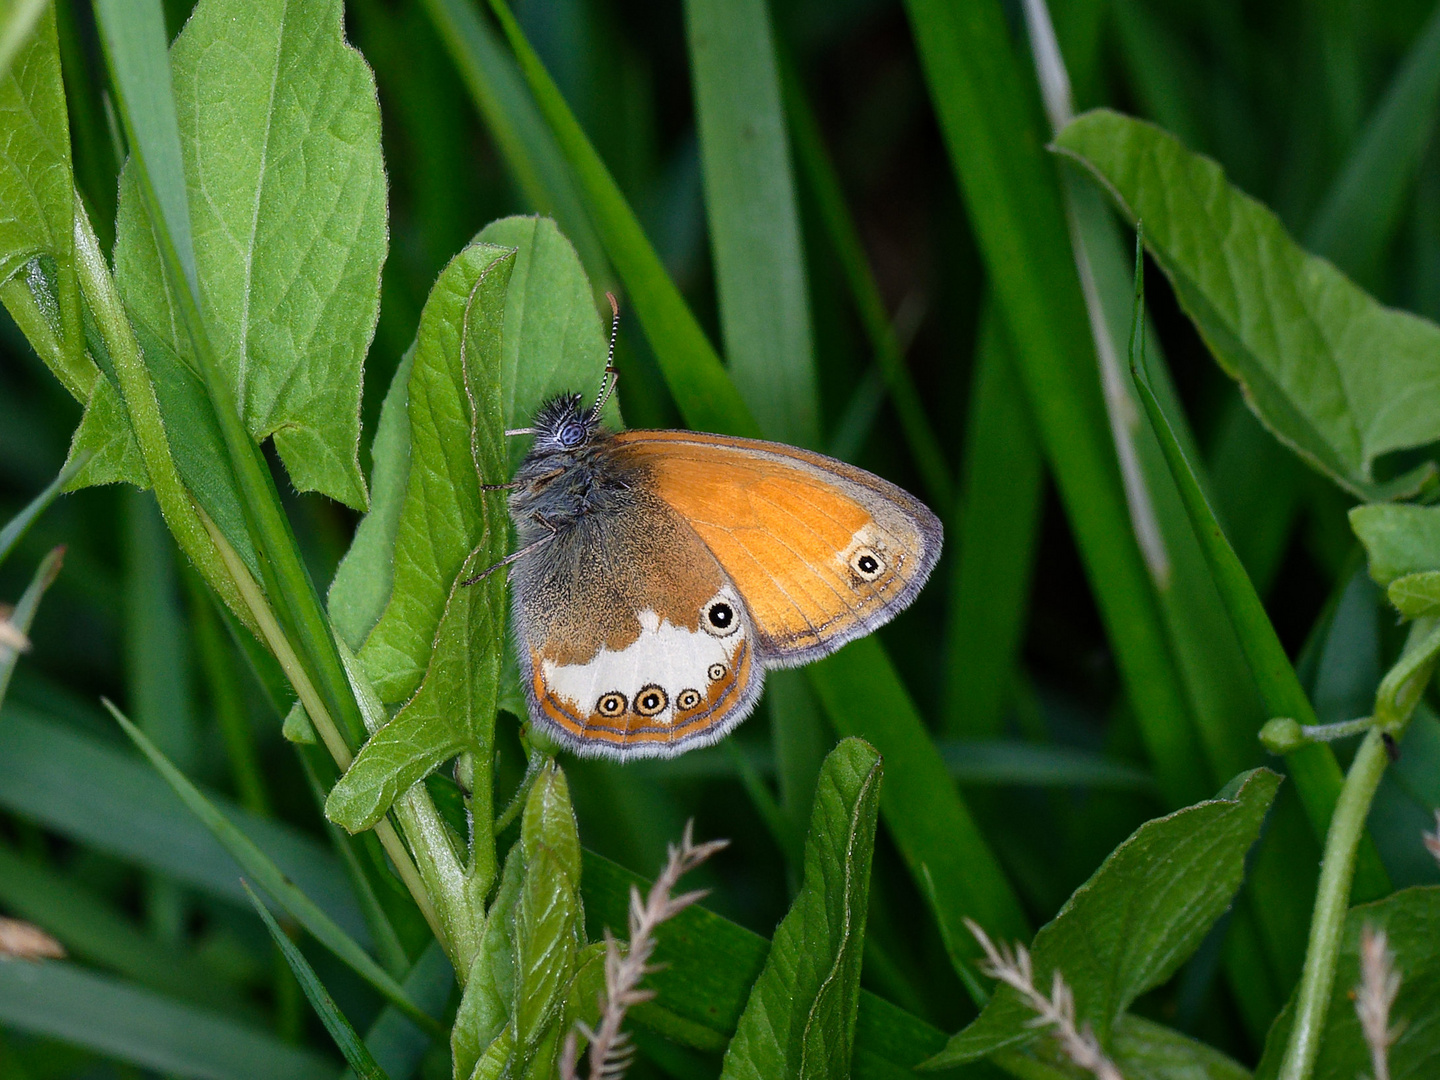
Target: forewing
<point>821,552</point>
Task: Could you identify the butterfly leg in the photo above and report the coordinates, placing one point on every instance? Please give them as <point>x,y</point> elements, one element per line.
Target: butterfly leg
<point>508,560</point>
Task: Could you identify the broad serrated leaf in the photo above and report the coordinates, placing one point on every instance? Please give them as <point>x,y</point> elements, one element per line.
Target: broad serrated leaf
<point>1399,540</point>
<point>1341,379</point>
<point>1129,927</point>
<point>105,439</point>
<point>800,1019</point>
<point>280,135</point>
<point>454,708</point>
<point>1411,922</point>
<point>490,988</point>
<point>37,208</point>
<point>443,515</point>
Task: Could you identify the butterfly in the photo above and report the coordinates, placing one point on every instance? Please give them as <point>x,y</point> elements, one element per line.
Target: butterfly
<point>658,574</point>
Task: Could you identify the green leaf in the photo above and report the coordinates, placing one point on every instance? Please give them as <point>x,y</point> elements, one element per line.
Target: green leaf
<point>104,442</point>
<point>47,773</point>
<point>754,220</point>
<point>454,707</point>
<point>706,396</point>
<point>269,876</point>
<point>366,574</point>
<point>356,1053</point>
<point>1340,379</point>
<point>17,21</point>
<point>1399,540</point>
<point>18,525</point>
<point>1141,914</point>
<point>863,695</point>
<point>1145,1050</point>
<point>1411,922</point>
<point>37,203</point>
<point>490,988</point>
<point>800,1018</point>
<point>122,1021</point>
<point>443,508</point>
<point>1416,595</point>
<point>397,1044</point>
<point>280,142</point>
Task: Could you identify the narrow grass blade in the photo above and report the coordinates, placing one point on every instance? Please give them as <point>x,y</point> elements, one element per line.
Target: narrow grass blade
<point>1364,205</point>
<point>529,149</point>
<point>819,173</point>
<point>987,113</point>
<point>47,772</point>
<point>123,1021</point>
<point>1002,762</point>
<point>269,876</point>
<point>16,527</point>
<point>754,220</point>
<point>706,396</point>
<point>1314,768</point>
<point>396,1044</point>
<point>1004,475</point>
<point>24,613</point>
<point>356,1053</point>
<point>94,931</point>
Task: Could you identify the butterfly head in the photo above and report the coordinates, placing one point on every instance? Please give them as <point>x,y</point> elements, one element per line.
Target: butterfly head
<point>564,425</point>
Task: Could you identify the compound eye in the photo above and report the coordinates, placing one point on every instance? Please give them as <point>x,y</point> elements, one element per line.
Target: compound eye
<point>719,619</point>
<point>571,434</point>
<point>611,704</point>
<point>867,564</point>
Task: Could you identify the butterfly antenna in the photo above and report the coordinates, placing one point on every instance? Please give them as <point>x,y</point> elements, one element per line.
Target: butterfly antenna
<point>612,376</point>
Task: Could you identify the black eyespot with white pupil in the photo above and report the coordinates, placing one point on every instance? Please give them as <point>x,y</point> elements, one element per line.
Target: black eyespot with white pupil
<point>687,699</point>
<point>650,701</point>
<point>719,619</point>
<point>611,704</point>
<point>571,434</point>
<point>867,564</point>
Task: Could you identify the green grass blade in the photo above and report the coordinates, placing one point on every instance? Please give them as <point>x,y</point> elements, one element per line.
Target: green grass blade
<point>526,144</point>
<point>396,1044</point>
<point>703,391</point>
<point>123,1021</point>
<point>1314,768</point>
<point>930,822</point>
<point>754,221</point>
<point>1363,207</point>
<point>1003,762</point>
<point>16,527</point>
<point>47,775</point>
<point>24,613</point>
<point>988,117</point>
<point>820,175</point>
<point>94,931</point>
<point>997,537</point>
<point>356,1053</point>
<point>270,877</point>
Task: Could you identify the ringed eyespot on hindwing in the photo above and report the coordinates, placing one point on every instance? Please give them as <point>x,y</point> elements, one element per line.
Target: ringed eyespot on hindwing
<point>651,700</point>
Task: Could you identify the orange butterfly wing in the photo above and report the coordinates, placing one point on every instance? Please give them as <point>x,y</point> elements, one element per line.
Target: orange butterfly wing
<point>821,552</point>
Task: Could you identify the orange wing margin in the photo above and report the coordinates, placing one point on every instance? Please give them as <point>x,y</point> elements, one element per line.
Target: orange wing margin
<point>786,525</point>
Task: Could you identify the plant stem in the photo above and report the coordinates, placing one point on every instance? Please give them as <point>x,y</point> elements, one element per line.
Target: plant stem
<point>1332,899</point>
